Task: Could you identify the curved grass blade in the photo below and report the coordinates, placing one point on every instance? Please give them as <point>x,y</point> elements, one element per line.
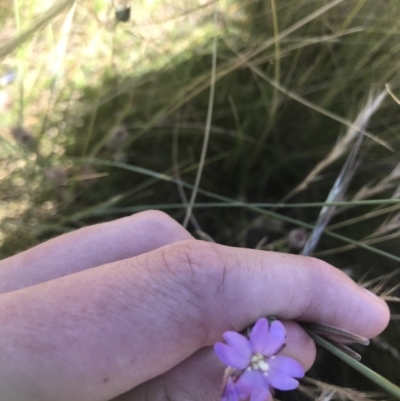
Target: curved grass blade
<point>343,347</point>
<point>337,334</point>
<point>40,22</point>
<point>346,174</point>
<point>364,370</point>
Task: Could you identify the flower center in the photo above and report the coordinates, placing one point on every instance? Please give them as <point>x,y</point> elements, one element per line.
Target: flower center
<point>258,362</point>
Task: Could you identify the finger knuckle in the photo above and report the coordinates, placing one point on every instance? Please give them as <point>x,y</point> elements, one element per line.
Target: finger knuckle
<point>202,261</point>
<point>197,266</point>
<point>322,279</point>
<point>318,270</point>
<point>162,224</point>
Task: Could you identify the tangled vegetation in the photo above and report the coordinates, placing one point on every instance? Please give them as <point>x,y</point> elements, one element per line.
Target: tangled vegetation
<point>100,119</point>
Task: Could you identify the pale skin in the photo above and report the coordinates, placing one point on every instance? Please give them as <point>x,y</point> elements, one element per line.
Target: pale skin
<point>129,310</point>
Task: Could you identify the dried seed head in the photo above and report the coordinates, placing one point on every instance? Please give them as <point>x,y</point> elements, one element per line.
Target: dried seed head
<point>23,136</point>
<point>120,157</point>
<point>297,238</point>
<point>56,176</point>
<point>122,10</point>
<point>118,138</point>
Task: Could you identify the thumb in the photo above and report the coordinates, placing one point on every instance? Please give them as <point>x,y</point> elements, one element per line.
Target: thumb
<point>97,333</point>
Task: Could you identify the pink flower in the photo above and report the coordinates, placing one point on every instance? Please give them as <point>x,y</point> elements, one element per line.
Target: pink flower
<point>256,367</point>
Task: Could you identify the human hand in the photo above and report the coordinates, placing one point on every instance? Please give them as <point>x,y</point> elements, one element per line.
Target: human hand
<point>133,306</point>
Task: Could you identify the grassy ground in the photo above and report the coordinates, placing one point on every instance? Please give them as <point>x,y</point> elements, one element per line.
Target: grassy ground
<point>102,115</point>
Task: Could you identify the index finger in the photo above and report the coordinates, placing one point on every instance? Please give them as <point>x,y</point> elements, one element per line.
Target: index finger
<point>240,285</point>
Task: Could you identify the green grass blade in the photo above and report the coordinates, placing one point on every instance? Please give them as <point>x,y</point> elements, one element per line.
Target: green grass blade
<point>364,370</point>
<point>209,119</point>
<point>268,213</point>
<point>39,23</point>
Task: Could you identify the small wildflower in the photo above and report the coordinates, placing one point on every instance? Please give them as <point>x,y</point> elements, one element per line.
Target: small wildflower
<point>255,367</point>
<point>7,78</point>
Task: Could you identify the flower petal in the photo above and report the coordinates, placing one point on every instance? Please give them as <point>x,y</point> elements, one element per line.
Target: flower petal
<point>230,392</point>
<point>286,366</point>
<point>261,396</point>
<point>282,382</point>
<point>251,383</point>
<point>259,333</point>
<point>239,342</point>
<point>231,356</point>
<point>281,371</point>
<point>268,340</point>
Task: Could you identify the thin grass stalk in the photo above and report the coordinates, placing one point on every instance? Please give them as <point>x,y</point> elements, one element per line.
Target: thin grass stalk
<point>202,82</point>
<point>209,118</point>
<point>339,188</point>
<point>268,213</point>
<point>336,193</point>
<point>353,13</point>
<point>20,67</point>
<point>277,64</point>
<point>349,247</point>
<point>177,174</point>
<point>235,204</point>
<point>58,68</point>
<point>39,23</point>
<point>367,216</point>
<point>353,126</point>
<point>337,392</point>
<point>364,370</point>
<point>394,97</point>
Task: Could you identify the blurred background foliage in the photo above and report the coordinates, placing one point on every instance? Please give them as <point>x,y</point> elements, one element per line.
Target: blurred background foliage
<point>85,102</point>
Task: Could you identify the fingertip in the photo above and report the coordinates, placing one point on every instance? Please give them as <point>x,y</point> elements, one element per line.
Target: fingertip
<point>341,302</point>
<point>380,314</point>
<point>160,226</point>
